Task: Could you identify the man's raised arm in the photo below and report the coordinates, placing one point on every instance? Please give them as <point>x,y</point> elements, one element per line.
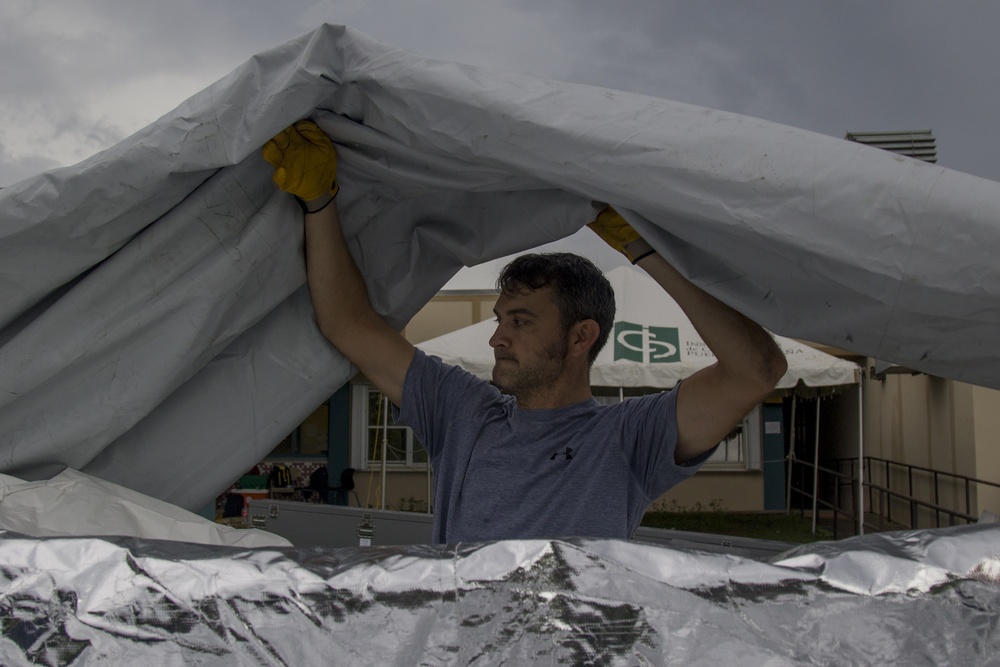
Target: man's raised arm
<point>306,166</point>
<point>749,363</point>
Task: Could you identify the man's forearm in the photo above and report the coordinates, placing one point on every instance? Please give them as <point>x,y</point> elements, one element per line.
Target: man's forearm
<point>305,165</point>
<point>749,365</point>
<point>338,291</point>
<point>344,311</point>
<point>742,346</point>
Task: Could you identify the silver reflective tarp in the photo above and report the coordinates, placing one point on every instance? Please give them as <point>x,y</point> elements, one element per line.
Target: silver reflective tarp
<point>927,597</point>
<point>155,330</point>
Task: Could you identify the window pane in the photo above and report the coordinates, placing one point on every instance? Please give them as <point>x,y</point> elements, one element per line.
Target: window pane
<point>397,436</point>
<point>395,445</point>
<point>419,453</point>
<point>731,449</point>
<point>314,432</point>
<point>375,405</point>
<point>284,447</point>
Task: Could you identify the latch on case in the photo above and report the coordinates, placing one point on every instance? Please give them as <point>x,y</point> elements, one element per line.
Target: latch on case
<point>366,530</point>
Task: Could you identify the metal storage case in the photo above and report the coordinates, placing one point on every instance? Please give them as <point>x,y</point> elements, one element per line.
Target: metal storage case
<point>314,525</point>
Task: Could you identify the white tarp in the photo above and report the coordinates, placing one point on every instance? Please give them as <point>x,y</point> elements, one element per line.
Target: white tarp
<point>653,344</point>
<point>72,503</point>
<point>154,326</point>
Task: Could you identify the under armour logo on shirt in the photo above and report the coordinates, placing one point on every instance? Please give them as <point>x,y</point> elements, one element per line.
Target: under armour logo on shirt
<point>566,453</point>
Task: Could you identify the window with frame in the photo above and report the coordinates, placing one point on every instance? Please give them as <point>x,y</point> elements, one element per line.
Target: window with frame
<point>309,439</point>
<point>373,429</point>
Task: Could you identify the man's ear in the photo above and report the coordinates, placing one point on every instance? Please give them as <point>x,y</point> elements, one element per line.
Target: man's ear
<point>583,336</point>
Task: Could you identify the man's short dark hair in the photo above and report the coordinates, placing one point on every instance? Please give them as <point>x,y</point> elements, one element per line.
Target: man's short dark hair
<point>581,291</point>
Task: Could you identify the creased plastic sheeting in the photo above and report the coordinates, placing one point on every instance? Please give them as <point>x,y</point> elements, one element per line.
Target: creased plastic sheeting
<point>924,597</point>
<point>156,331</point>
<point>72,503</point>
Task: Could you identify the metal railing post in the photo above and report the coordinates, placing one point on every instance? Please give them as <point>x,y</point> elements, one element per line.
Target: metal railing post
<point>883,498</point>
<point>937,501</point>
<point>836,506</point>
<point>888,485</point>
<point>857,494</point>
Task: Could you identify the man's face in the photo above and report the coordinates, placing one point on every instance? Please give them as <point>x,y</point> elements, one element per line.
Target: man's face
<point>529,343</point>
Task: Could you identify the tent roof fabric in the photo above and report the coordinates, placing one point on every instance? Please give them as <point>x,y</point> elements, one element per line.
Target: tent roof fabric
<point>661,345</point>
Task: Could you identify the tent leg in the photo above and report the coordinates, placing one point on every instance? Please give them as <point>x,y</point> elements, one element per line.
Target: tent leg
<point>791,459</point>
<point>861,460</point>
<point>815,468</point>
<point>385,441</point>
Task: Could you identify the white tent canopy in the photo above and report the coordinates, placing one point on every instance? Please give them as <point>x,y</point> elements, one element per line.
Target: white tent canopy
<point>653,345</point>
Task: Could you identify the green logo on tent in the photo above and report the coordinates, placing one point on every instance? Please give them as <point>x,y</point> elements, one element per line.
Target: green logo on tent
<point>646,344</point>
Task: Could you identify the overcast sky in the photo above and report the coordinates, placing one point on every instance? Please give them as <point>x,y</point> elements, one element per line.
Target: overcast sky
<point>78,76</point>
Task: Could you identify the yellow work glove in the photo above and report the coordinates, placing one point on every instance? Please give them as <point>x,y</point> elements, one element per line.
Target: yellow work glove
<point>618,234</point>
<point>304,161</point>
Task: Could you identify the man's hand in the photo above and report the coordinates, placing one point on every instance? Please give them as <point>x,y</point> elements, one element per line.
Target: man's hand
<point>304,161</point>
<point>305,165</point>
<point>618,234</point>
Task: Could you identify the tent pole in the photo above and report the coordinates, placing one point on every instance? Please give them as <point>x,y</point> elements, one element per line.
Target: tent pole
<point>385,441</point>
<point>791,458</point>
<point>815,467</point>
<point>861,459</point>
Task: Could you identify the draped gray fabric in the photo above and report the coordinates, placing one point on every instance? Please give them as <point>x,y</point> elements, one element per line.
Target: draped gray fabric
<point>154,326</point>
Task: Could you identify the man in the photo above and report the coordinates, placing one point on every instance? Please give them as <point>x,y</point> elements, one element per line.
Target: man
<point>533,454</point>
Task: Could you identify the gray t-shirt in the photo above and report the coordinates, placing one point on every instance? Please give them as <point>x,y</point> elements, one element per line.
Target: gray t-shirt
<point>503,472</point>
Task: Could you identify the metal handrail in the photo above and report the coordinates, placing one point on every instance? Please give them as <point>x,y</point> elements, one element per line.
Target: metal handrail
<point>885,494</point>
<point>925,469</point>
<point>835,506</point>
<point>935,477</point>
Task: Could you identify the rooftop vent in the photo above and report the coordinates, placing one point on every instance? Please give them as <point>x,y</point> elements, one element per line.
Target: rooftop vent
<point>919,144</point>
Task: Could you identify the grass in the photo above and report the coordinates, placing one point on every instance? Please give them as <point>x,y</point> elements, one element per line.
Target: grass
<point>758,525</point>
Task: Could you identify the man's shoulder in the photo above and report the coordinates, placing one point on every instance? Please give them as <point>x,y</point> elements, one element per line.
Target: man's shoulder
<point>431,370</point>
<point>653,397</point>
<point>655,405</point>
<point>427,363</point>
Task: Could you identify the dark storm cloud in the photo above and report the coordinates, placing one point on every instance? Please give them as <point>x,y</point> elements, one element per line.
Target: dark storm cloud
<point>829,67</point>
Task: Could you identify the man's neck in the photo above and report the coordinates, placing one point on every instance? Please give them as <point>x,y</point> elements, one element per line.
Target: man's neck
<point>557,396</point>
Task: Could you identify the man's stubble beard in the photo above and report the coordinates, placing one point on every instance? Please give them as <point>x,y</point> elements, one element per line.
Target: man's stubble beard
<point>523,379</point>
